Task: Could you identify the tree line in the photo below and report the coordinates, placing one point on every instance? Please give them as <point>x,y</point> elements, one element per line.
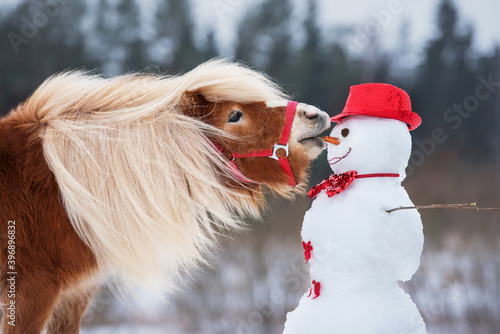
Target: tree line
<point>453,87</point>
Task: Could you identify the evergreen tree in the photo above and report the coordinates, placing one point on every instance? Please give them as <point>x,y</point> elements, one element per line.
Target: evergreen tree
<point>313,70</point>
<point>174,30</point>
<point>117,40</point>
<point>488,67</point>
<point>210,48</point>
<point>444,79</point>
<point>264,36</point>
<point>99,42</point>
<point>129,36</point>
<point>41,38</point>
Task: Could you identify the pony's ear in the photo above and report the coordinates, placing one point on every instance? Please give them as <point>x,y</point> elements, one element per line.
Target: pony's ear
<point>193,104</point>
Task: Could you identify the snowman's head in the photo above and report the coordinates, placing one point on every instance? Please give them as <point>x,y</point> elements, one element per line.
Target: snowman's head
<point>370,145</point>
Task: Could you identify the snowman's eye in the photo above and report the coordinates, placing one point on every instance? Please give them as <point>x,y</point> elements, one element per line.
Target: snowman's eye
<point>345,132</point>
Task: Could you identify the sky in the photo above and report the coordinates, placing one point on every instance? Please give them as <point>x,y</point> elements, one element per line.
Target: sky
<point>482,14</point>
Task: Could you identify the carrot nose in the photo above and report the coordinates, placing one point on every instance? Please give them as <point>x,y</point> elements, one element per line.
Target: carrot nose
<point>331,140</point>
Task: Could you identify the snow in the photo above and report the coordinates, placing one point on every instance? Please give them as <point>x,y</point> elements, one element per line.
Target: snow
<point>360,251</point>
<point>127,329</point>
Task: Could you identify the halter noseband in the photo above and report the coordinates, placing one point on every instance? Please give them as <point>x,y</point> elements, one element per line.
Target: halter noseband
<point>270,153</point>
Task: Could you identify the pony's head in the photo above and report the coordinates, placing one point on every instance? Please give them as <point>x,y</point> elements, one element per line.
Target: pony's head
<point>253,129</point>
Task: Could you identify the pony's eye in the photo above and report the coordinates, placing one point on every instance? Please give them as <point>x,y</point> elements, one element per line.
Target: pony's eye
<point>345,132</point>
<point>235,116</point>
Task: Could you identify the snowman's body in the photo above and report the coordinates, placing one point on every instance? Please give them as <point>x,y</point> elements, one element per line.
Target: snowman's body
<point>359,251</point>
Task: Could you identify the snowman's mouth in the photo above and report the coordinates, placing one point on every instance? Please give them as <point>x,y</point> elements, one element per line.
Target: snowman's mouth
<point>334,160</point>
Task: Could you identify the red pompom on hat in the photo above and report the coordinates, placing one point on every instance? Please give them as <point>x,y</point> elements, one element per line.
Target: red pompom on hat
<point>379,100</point>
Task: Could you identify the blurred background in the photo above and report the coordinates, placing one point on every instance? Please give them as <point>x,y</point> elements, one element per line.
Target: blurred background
<point>444,53</point>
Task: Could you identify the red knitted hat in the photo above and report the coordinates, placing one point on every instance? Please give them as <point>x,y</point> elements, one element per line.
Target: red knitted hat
<point>379,100</point>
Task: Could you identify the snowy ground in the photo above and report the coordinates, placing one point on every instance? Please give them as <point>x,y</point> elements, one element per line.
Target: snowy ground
<point>458,287</point>
<point>253,285</point>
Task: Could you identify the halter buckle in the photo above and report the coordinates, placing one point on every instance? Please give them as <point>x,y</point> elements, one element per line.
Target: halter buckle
<point>276,148</point>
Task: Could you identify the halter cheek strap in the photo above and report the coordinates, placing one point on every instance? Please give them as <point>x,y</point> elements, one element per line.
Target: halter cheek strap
<point>270,153</point>
<point>283,142</point>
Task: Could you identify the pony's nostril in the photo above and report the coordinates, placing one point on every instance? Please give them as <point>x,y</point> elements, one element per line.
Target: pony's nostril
<point>309,114</point>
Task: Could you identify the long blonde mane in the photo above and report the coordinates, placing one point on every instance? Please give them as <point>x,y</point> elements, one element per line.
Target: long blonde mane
<point>139,180</point>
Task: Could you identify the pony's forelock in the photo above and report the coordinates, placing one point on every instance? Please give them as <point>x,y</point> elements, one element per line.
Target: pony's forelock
<point>139,180</point>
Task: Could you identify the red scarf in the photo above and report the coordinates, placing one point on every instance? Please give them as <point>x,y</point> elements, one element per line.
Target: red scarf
<point>336,183</point>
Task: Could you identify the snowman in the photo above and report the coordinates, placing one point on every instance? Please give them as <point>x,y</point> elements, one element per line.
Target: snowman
<point>356,250</point>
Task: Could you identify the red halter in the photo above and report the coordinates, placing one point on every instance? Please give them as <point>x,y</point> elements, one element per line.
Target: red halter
<point>270,153</point>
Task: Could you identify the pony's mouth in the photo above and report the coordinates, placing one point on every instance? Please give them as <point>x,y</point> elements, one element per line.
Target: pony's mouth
<point>311,139</point>
<point>334,160</point>
<point>307,132</point>
<point>313,142</point>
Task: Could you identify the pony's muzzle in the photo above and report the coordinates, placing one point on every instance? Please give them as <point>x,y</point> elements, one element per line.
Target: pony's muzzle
<point>310,114</point>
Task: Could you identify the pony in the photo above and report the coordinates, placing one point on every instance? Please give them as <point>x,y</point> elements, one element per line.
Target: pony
<point>134,178</point>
